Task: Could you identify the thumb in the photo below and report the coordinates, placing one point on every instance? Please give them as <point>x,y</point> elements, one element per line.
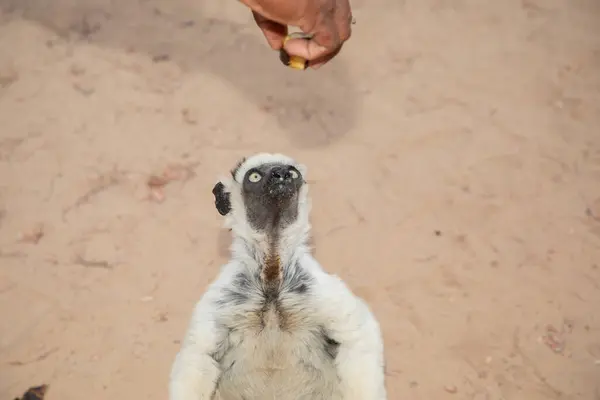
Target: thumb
<point>324,41</point>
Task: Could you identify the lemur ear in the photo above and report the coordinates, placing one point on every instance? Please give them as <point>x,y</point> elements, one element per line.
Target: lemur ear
<point>222,199</point>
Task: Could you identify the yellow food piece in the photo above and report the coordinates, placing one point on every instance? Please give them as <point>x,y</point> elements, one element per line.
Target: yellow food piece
<point>297,62</point>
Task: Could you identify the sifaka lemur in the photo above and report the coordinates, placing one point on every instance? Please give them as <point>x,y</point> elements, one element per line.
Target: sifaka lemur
<point>274,325</point>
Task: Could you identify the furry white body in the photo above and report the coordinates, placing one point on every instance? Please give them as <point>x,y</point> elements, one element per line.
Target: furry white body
<point>309,338</point>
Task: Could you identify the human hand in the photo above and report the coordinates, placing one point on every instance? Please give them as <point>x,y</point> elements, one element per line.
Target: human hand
<point>328,22</point>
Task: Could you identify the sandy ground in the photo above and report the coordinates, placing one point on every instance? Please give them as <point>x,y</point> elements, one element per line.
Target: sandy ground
<point>454,154</point>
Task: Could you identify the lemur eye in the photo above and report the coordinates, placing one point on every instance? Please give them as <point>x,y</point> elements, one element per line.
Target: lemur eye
<point>254,177</point>
<point>294,174</point>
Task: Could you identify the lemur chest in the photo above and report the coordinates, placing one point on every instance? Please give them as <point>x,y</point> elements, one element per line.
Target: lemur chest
<point>249,304</point>
<point>273,317</point>
<point>276,347</point>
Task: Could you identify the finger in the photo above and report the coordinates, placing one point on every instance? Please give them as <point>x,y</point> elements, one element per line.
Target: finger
<point>274,32</point>
<point>326,35</point>
<point>319,62</point>
<point>343,20</point>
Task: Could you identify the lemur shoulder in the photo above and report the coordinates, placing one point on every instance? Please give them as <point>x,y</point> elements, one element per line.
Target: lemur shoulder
<point>274,325</point>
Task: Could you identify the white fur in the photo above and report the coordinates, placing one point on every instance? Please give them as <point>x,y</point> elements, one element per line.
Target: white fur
<point>262,362</point>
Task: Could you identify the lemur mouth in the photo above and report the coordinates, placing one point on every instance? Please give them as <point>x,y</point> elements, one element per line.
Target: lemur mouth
<point>281,189</point>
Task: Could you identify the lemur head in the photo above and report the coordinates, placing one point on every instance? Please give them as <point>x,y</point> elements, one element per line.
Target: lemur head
<point>265,196</point>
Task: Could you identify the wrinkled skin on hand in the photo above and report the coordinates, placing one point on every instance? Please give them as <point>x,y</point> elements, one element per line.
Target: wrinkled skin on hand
<point>329,21</point>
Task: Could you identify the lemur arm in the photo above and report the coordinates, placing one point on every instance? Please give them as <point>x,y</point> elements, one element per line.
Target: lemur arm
<point>349,321</point>
<point>195,372</point>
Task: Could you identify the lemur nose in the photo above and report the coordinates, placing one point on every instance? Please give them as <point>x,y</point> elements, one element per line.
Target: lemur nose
<point>280,173</point>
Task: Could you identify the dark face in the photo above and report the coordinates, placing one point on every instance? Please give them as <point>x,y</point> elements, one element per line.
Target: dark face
<point>270,194</point>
